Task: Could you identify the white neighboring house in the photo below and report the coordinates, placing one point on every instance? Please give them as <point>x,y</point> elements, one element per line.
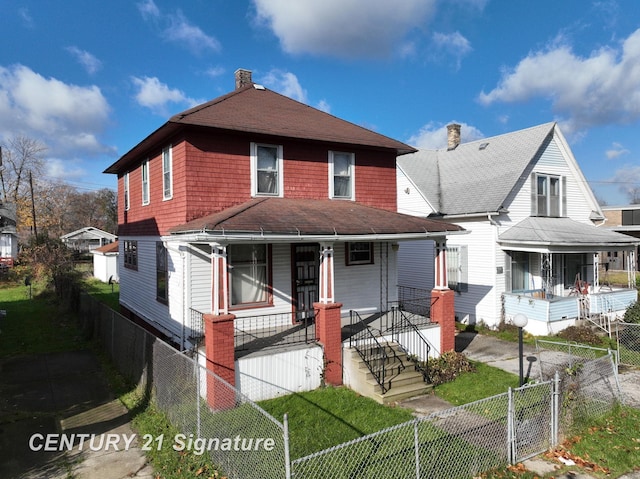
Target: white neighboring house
<point>87,239</point>
<point>105,263</point>
<point>535,230</point>
<point>8,235</point>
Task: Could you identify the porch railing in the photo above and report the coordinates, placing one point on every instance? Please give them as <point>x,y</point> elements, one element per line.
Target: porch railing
<point>196,327</point>
<point>272,330</point>
<point>414,300</point>
<point>415,345</point>
<point>375,354</point>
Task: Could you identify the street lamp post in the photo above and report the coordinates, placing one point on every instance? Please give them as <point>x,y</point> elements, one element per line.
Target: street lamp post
<point>520,320</point>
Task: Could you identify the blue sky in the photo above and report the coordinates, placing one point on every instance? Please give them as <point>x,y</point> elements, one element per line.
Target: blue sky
<point>92,79</point>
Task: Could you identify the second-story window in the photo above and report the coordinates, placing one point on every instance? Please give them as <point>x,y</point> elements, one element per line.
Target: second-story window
<point>341,167</point>
<point>266,170</point>
<point>548,195</point>
<point>167,173</point>
<point>145,182</point>
<point>125,187</point>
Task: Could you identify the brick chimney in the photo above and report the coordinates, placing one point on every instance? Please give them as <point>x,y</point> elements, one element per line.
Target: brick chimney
<point>243,78</point>
<point>453,136</point>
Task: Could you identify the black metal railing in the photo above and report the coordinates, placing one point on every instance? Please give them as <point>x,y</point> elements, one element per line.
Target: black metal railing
<point>272,330</point>
<point>196,327</point>
<point>414,300</point>
<point>375,355</point>
<point>414,344</point>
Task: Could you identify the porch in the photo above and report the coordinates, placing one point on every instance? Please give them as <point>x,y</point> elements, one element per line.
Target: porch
<point>549,314</point>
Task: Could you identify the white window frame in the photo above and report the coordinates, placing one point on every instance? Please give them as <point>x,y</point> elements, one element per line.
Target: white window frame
<point>457,265</point>
<point>167,172</point>
<point>249,269</point>
<point>547,196</point>
<point>352,175</point>
<point>125,187</point>
<point>144,173</point>
<point>254,170</point>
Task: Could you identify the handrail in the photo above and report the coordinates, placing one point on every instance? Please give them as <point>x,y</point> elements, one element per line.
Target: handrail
<point>406,323</point>
<point>368,354</point>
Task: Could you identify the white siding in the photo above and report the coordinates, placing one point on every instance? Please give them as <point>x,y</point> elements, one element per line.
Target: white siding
<point>410,201</point>
<point>199,290</point>
<point>416,260</point>
<point>105,267</point>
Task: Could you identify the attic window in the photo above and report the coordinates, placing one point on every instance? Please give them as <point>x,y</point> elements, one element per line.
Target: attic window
<point>258,87</point>
<point>483,146</point>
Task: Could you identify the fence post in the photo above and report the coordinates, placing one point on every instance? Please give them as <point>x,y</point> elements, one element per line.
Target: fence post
<point>197,364</point>
<point>287,458</point>
<point>416,441</point>
<point>511,440</point>
<point>555,410</point>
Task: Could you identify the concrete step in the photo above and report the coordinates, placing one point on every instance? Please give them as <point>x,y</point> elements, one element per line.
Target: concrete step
<point>408,376</point>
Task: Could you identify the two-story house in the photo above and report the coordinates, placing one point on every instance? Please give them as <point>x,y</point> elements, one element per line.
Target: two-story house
<point>535,230</point>
<point>257,206</point>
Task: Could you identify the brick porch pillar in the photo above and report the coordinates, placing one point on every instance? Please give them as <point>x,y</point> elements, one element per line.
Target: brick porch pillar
<point>443,313</point>
<point>329,334</point>
<point>220,353</point>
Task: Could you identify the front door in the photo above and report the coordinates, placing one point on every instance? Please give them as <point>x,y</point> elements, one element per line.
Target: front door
<point>305,260</point>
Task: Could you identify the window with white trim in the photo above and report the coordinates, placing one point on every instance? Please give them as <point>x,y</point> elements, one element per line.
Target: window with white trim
<point>162,273</point>
<point>130,250</point>
<point>249,267</point>
<point>125,187</point>
<point>266,170</point>
<point>167,173</point>
<point>144,170</point>
<point>457,277</point>
<point>341,175</point>
<point>548,195</point>
<point>359,252</point>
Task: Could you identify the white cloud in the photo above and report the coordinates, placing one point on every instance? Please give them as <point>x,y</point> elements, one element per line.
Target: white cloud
<point>178,29</point>
<point>323,105</point>
<point>616,151</point>
<point>343,28</point>
<point>452,44</point>
<point>586,91</point>
<point>215,72</point>
<point>67,118</point>
<point>433,135</point>
<point>90,63</point>
<point>628,181</point>
<point>285,83</point>
<point>26,17</point>
<point>155,95</point>
<point>64,170</point>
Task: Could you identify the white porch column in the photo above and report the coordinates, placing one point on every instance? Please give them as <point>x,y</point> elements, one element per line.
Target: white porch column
<point>596,271</point>
<point>219,279</point>
<point>631,269</point>
<point>441,280</point>
<point>326,279</point>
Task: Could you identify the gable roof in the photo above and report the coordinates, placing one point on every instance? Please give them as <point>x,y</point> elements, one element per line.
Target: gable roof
<point>564,234</point>
<point>312,219</point>
<point>475,177</point>
<point>108,249</point>
<point>258,110</point>
<point>88,232</point>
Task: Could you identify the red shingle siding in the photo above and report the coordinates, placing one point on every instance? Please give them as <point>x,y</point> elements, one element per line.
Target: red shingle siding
<point>211,172</point>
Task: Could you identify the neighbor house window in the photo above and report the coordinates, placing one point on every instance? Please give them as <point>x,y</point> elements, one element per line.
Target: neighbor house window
<point>125,187</point>
<point>144,169</point>
<point>631,217</point>
<point>456,257</point>
<point>359,252</point>
<point>548,195</point>
<point>266,170</point>
<point>519,271</point>
<point>341,168</point>
<point>167,173</point>
<point>131,254</point>
<point>162,273</point>
<point>249,266</point>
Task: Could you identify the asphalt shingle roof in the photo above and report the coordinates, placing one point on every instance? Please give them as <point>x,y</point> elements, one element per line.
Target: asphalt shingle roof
<point>475,177</point>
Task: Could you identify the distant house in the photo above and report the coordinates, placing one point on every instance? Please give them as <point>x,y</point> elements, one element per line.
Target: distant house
<point>8,234</point>
<point>536,230</point>
<point>105,263</point>
<point>623,219</point>
<point>87,239</point>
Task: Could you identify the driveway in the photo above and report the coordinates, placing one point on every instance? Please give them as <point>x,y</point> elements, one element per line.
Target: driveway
<point>60,397</point>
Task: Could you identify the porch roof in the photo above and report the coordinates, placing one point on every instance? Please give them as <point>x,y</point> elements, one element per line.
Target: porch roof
<point>563,235</point>
<point>286,220</point>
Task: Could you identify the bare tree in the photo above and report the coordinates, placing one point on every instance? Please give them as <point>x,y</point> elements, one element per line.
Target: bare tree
<point>20,156</point>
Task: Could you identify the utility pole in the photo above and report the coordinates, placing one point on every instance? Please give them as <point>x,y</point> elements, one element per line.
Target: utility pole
<point>33,208</point>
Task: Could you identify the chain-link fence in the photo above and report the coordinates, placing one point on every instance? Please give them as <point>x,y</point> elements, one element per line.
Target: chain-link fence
<point>240,437</point>
<point>246,442</point>
<point>628,338</point>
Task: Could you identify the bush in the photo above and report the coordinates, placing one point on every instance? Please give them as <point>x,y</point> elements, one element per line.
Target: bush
<point>447,367</point>
<point>632,315</point>
<point>581,334</point>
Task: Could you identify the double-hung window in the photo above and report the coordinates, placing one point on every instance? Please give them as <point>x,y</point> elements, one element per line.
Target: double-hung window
<point>167,173</point>
<point>125,188</point>
<point>266,170</point>
<point>341,175</point>
<point>144,170</point>
<point>359,252</point>
<point>131,254</point>
<point>548,195</point>
<point>249,266</point>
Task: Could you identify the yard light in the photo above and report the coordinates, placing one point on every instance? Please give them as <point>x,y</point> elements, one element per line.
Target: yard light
<point>520,320</point>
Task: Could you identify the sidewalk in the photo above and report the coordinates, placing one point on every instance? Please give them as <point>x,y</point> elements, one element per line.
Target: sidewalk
<point>61,395</point>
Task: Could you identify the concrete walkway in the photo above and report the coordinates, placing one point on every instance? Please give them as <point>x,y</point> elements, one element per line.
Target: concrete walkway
<point>64,397</point>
